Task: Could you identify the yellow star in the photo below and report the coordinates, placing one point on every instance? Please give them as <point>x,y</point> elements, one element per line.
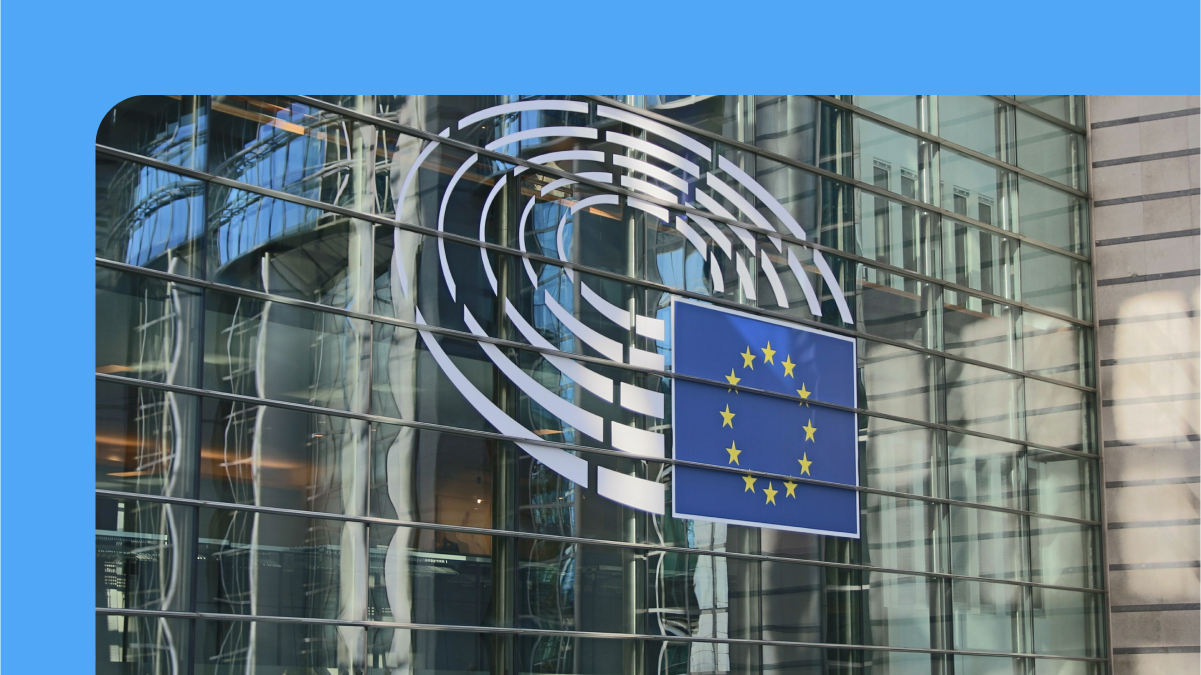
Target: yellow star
<point>809,429</point>
<point>747,358</point>
<point>791,487</point>
<point>768,353</point>
<point>750,483</point>
<point>727,417</point>
<point>734,452</point>
<point>733,379</point>
<point>805,462</point>
<point>771,494</point>
<point>788,366</point>
<point>803,393</point>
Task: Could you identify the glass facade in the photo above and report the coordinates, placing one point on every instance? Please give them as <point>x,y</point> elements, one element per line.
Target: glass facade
<point>364,364</point>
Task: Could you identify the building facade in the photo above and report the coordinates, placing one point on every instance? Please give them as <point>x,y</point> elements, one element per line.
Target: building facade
<point>368,369</point>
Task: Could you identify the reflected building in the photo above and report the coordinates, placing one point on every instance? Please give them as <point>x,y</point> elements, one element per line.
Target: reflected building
<point>366,366</point>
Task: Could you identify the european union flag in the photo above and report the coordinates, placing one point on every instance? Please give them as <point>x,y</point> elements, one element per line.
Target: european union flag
<point>720,426</point>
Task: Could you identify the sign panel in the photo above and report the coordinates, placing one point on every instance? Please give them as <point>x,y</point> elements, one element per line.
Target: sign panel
<point>717,425</point>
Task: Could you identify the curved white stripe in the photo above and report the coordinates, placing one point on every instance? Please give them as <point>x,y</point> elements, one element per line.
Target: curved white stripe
<point>815,307</point>
<point>588,423</point>
<point>565,156</point>
<point>661,130</point>
<point>744,276</point>
<point>650,327</point>
<point>421,157</point>
<point>653,190</point>
<point>645,359</point>
<point>651,171</point>
<point>691,235</point>
<point>714,233</point>
<point>588,379</point>
<point>602,176</point>
<point>719,282</point>
<point>656,211</point>
<point>610,349</point>
<point>773,278</point>
<point>741,202</point>
<point>610,311</point>
<point>598,199</point>
<point>450,280</point>
<point>567,465</point>
<point>764,196</point>
<point>529,269</point>
<point>542,132</point>
<point>642,401</point>
<point>636,441</point>
<point>523,106</point>
<point>653,151</point>
<point>835,290</point>
<point>483,219</point>
<point>747,239</point>
<point>636,493</point>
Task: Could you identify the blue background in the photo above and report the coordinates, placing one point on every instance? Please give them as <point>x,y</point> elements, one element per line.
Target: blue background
<point>64,64</point>
<point>768,430</point>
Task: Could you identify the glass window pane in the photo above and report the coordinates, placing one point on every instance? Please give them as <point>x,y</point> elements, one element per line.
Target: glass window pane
<point>267,647</point>
<point>171,129</point>
<point>1053,216</point>
<point>145,440</point>
<point>893,161</point>
<point>987,544</point>
<point>903,109</point>
<point>1070,109</point>
<point>787,125</point>
<point>144,555</point>
<point>899,609</point>
<point>897,381</point>
<point>430,576</point>
<point>1061,484</point>
<point>283,352</point>
<point>1057,349</point>
<point>133,645</point>
<point>981,329</point>
<point>1051,151</point>
<point>1067,623</point>
<point>977,190</point>
<point>148,217</point>
<point>977,259</point>
<point>898,457</point>
<point>282,248</point>
<point>984,471</point>
<point>902,533</point>
<point>896,233</point>
<point>274,565</point>
<point>395,650</point>
<point>896,307</point>
<point>978,123</point>
<point>1059,416</point>
<point>146,328</point>
<point>989,665</point>
<point>985,400</point>
<point>1065,667</point>
<point>281,458</point>
<point>989,617</point>
<point>1057,283</point>
<point>1064,554</point>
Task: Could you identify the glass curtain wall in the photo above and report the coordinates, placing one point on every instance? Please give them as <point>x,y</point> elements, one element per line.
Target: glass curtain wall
<point>365,362</point>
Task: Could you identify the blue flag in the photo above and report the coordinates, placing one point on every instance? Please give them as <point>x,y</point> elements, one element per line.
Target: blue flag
<point>716,425</point>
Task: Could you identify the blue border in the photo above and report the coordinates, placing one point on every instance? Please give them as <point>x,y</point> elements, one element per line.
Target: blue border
<point>65,64</point>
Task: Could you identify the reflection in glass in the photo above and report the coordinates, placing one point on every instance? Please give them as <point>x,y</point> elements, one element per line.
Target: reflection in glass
<point>137,645</point>
<point>987,544</point>
<point>984,471</point>
<point>985,400</point>
<point>143,555</point>
<point>1070,109</point>
<point>1067,623</point>
<point>896,233</point>
<point>1056,282</point>
<point>1059,416</point>
<point>1051,151</point>
<point>1057,349</point>
<point>395,650</point>
<point>787,125</point>
<point>977,259</point>
<point>1062,484</point>
<point>148,217</point>
<point>172,129</point>
<point>908,110</point>
<point>976,190</point>
<point>1064,554</point>
<point>981,329</point>
<point>228,647</point>
<point>1053,216</point>
<point>145,440</point>
<point>903,533</point>
<point>989,617</point>
<point>894,161</point>
<point>899,457</point>
<point>146,328</point>
<point>978,123</point>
